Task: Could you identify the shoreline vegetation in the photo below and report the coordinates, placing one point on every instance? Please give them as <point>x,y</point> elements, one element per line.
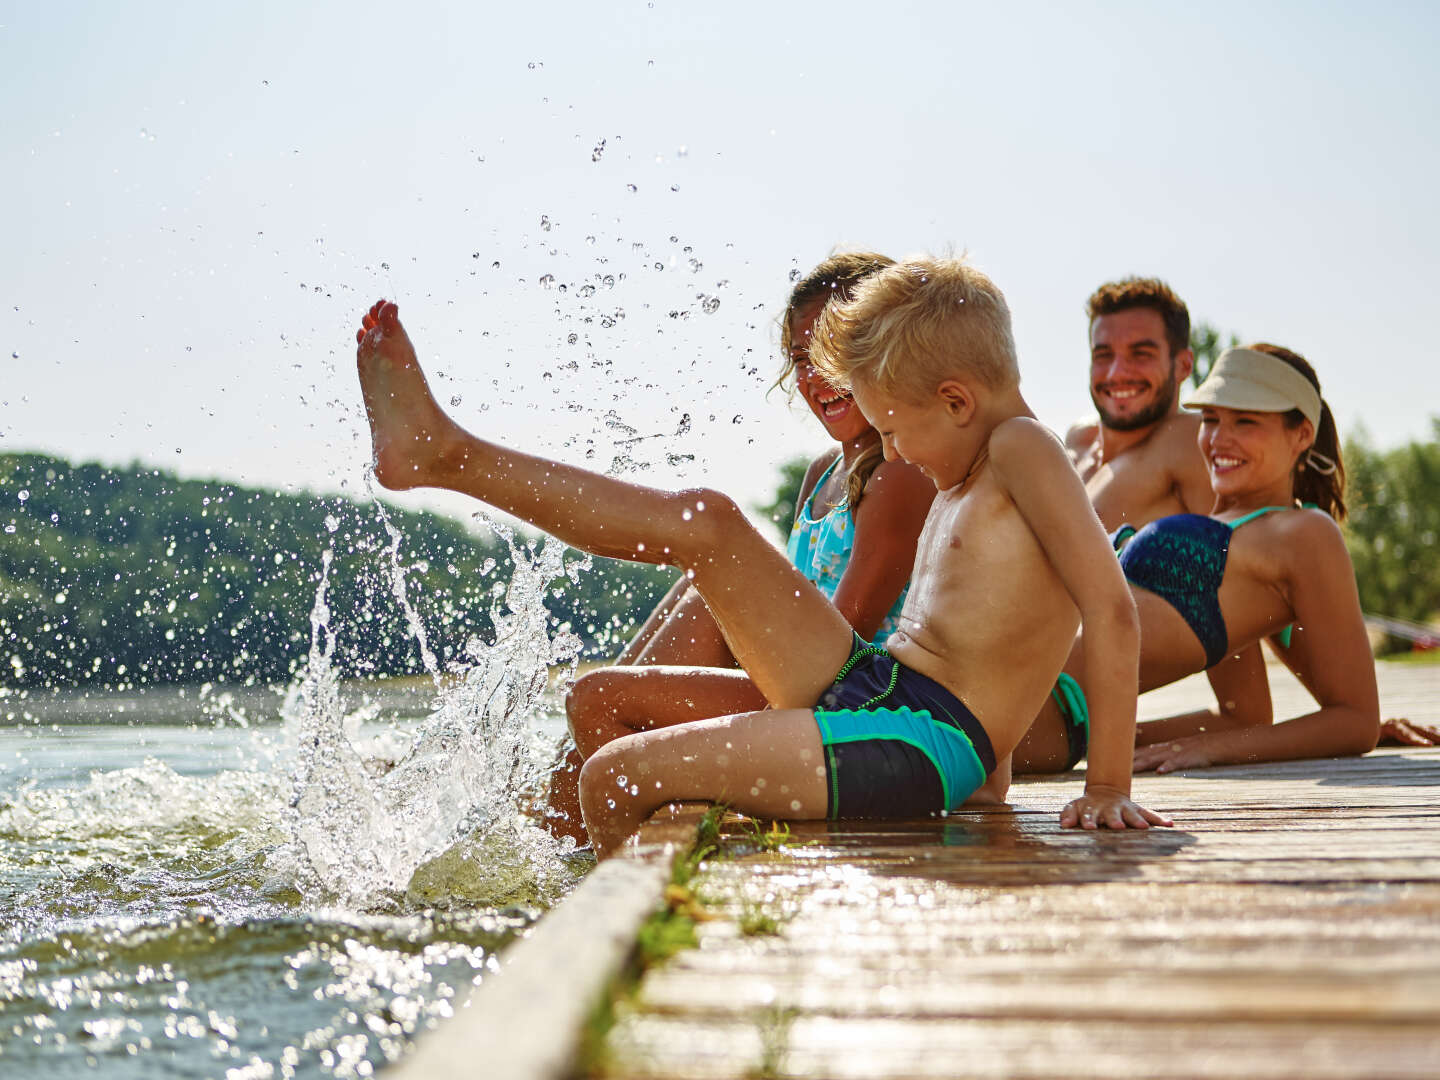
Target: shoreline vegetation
<point>119,578</point>
<point>124,577</point>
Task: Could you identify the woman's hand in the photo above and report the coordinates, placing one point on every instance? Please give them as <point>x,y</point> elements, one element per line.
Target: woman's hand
<point>1191,752</point>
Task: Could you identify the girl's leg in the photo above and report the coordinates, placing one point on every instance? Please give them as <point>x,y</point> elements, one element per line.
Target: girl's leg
<point>610,703</point>
<point>689,636</point>
<point>562,807</point>
<point>769,764</point>
<point>781,629</point>
<point>631,653</point>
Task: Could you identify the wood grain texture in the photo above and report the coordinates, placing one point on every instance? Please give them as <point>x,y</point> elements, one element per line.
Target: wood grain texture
<point>1288,926</point>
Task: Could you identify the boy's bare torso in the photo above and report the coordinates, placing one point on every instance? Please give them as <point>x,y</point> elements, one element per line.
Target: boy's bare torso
<point>987,615</point>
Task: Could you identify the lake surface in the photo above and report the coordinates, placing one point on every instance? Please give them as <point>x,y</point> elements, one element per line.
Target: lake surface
<point>164,902</point>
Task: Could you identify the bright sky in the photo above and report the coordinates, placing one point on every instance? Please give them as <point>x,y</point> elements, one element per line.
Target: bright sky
<point>202,199</point>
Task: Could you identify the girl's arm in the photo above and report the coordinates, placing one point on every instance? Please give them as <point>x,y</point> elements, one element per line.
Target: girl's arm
<point>1334,664</point>
<point>887,529</point>
<point>1047,491</point>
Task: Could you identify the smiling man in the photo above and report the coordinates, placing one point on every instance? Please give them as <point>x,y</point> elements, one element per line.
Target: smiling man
<point>1139,458</point>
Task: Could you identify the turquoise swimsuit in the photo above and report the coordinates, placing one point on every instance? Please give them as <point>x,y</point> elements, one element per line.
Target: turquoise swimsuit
<point>1180,559</point>
<point>897,743</point>
<point>820,549</point>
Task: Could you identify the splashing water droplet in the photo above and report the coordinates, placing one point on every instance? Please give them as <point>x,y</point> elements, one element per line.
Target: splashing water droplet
<point>495,265</point>
<point>686,515</point>
<point>631,188</point>
<point>547,281</point>
<point>24,494</point>
<point>587,290</point>
<point>572,339</point>
<point>331,523</point>
<point>794,274</point>
<point>737,419</point>
<point>709,304</point>
<point>545,222</point>
<point>454,399</point>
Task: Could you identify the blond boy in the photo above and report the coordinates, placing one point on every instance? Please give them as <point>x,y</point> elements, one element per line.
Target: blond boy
<point>1011,562</point>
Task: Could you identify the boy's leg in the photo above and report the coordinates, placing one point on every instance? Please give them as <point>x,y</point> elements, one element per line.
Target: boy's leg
<point>610,703</point>
<point>769,764</point>
<point>781,629</point>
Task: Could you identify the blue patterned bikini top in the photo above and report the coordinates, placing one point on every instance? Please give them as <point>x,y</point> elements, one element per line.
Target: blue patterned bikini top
<point>820,549</point>
<point>1181,559</point>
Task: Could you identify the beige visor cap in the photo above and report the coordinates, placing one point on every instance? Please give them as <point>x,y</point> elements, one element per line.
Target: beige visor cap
<point>1256,382</point>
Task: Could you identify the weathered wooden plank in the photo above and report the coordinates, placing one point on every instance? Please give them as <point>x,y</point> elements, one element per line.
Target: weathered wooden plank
<point>1289,927</point>
<point>1041,991</point>
<point>779,1044</point>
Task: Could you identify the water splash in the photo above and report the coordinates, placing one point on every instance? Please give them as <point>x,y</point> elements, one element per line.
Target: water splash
<point>453,797</point>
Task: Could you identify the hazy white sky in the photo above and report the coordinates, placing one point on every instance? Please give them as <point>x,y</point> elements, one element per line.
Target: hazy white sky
<point>202,202</point>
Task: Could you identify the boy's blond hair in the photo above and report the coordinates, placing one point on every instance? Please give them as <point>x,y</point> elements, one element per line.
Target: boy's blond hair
<point>910,326</point>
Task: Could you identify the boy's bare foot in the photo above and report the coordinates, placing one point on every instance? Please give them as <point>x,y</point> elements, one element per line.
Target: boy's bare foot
<point>414,442</point>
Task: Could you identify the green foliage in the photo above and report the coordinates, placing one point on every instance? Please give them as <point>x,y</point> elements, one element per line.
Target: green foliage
<point>756,920</point>
<point>780,510</point>
<point>771,839</point>
<point>1205,344</point>
<point>122,576</point>
<point>1394,501</point>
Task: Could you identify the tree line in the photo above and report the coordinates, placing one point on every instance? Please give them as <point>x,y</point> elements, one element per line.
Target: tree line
<point>114,577</point>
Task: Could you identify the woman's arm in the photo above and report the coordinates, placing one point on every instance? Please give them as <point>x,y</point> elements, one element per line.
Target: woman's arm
<point>1242,700</point>
<point>1334,664</point>
<point>887,528</point>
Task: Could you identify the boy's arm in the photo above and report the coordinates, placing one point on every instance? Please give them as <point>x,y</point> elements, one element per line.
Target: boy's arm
<point>1039,479</point>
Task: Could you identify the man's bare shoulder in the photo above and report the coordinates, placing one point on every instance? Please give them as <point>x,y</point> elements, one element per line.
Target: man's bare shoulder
<point>1081,435</point>
<point>1182,425</point>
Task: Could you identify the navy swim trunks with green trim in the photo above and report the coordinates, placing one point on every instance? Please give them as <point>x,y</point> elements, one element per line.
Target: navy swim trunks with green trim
<point>897,743</point>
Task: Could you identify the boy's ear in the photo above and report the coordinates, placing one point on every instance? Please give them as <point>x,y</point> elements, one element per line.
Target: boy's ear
<point>958,399</point>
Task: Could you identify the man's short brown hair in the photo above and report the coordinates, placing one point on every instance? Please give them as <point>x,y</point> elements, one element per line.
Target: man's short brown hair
<point>1152,293</point>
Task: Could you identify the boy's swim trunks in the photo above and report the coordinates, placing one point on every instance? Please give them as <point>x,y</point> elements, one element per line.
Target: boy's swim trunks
<point>897,743</point>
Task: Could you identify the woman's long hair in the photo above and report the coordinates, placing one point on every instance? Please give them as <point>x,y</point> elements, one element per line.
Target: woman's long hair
<point>1319,479</point>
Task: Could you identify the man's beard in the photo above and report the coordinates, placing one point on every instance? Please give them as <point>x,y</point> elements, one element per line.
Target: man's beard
<point>1153,414</point>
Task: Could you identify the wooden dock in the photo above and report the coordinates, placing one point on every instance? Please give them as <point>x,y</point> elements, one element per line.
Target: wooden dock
<point>1288,926</point>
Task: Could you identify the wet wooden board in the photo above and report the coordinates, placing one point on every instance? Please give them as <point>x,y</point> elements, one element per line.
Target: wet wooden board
<point>1289,926</point>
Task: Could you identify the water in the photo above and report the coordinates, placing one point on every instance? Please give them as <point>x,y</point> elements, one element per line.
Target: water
<point>203,882</point>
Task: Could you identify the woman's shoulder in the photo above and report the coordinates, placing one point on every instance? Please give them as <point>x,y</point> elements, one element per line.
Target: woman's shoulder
<point>1304,534</point>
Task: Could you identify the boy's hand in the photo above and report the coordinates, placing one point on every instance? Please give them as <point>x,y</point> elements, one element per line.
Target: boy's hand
<point>1101,806</point>
<point>1172,754</point>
